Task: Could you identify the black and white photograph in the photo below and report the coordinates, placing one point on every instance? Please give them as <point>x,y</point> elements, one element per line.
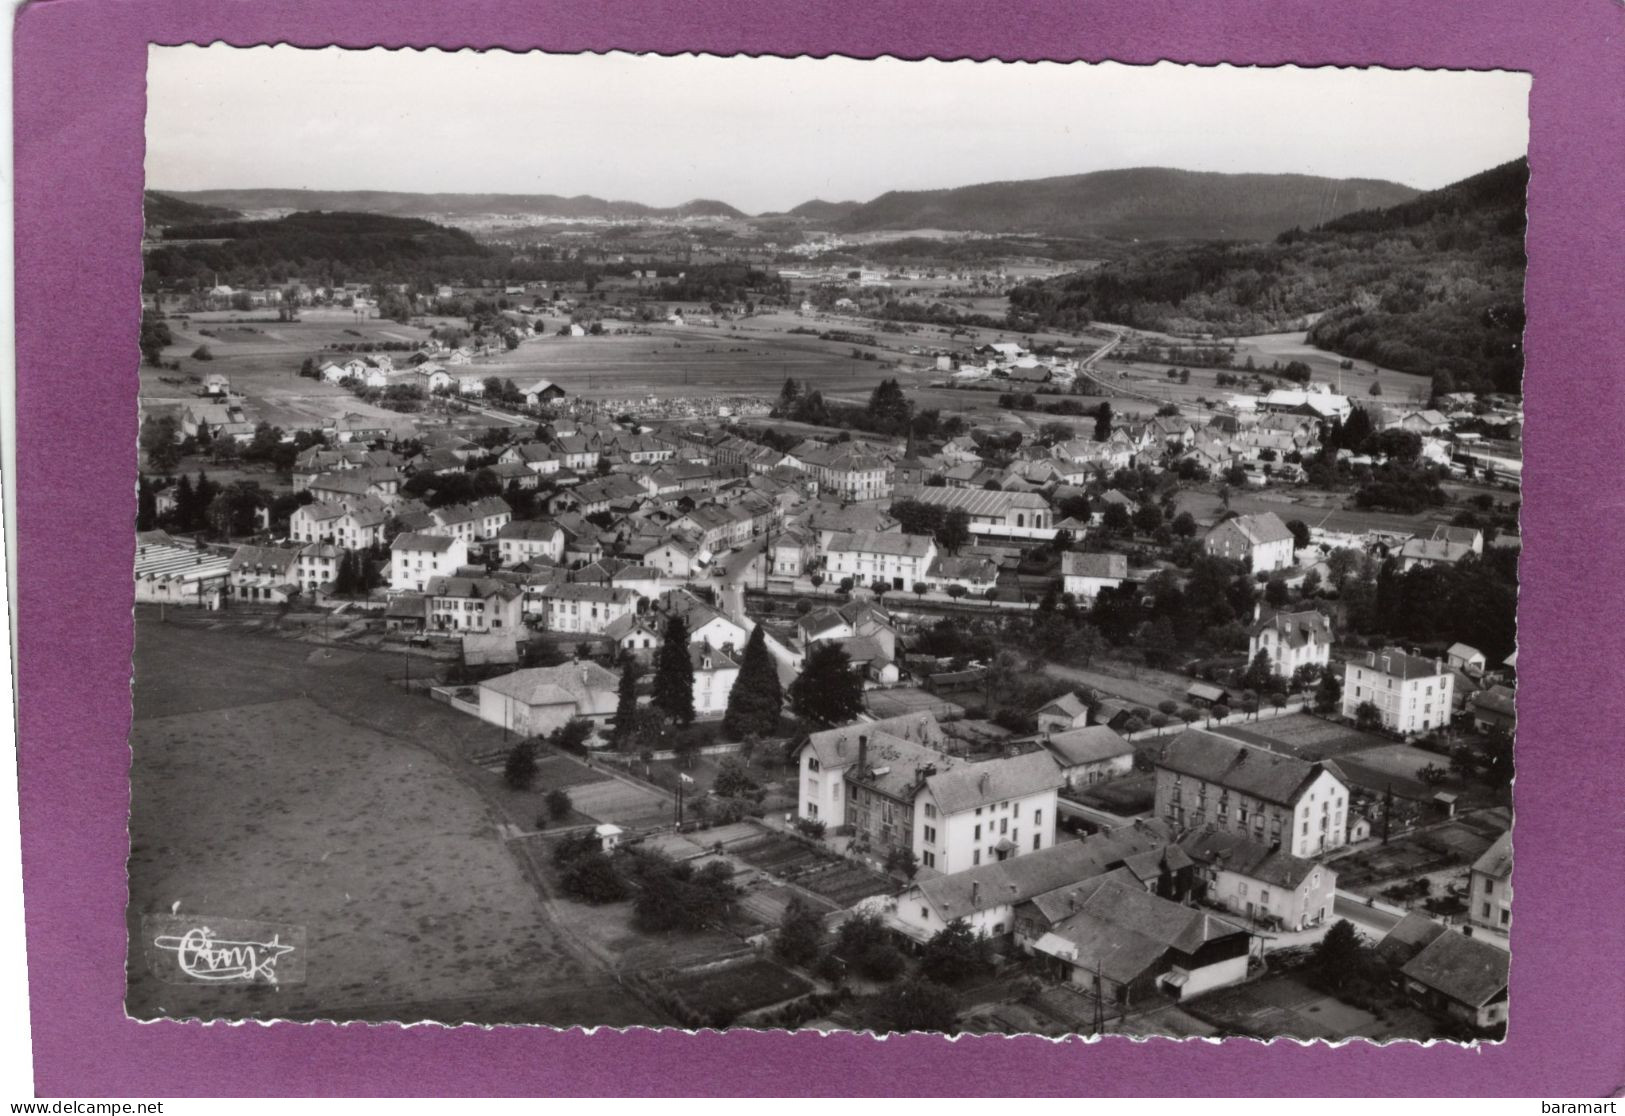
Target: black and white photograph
<point>707,542</point>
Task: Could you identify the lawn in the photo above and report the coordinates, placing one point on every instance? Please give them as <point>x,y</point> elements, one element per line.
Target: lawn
<point>1334,511</point>
<point>273,780</point>
<point>1306,737</point>
<point>1284,1006</point>
<point>716,995</point>
<point>1126,797</point>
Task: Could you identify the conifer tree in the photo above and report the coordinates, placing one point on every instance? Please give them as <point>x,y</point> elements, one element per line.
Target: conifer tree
<point>674,674</point>
<point>626,701</point>
<point>756,699</point>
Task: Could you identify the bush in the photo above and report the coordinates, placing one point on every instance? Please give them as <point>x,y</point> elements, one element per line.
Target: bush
<point>558,804</point>
<point>811,827</point>
<point>592,879</point>
<point>881,962</point>
<point>519,772</point>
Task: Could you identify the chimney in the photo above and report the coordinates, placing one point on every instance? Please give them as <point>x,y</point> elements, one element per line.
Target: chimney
<point>1072,900</point>
<point>863,753</point>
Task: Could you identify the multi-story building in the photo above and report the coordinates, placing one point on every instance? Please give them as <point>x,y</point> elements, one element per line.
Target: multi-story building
<point>1085,575</point>
<point>416,558</point>
<point>319,565</point>
<point>1489,891</point>
<point>474,522</point>
<point>898,793</point>
<point>474,604</point>
<point>355,523</point>
<point>848,471</point>
<point>868,556</point>
<point>587,609</point>
<point>522,540</point>
<point>1410,694</point>
<point>264,574</point>
<point>1292,640</point>
<point>1016,515</point>
<point>1275,799</point>
<point>1262,543</point>
<point>1259,880</point>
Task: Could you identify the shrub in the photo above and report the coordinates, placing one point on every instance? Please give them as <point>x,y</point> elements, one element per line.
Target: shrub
<point>592,879</point>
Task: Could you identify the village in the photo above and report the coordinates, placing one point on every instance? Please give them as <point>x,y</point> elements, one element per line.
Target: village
<point>1142,714</point>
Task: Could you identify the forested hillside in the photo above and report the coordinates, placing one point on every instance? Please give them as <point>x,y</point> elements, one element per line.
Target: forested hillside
<point>161,209</point>
<point>1148,203</point>
<point>318,247</point>
<point>1433,286</point>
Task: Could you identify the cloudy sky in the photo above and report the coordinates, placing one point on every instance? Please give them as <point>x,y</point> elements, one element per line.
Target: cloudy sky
<point>768,134</point>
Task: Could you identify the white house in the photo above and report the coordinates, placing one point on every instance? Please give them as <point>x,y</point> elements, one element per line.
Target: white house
<point>1261,881</point>
<point>538,700</point>
<point>1202,777</point>
<point>474,604</point>
<point>1411,694</point>
<point>824,757</point>
<point>1261,542</point>
<point>414,559</point>
<point>1094,754</point>
<point>588,609</point>
<point>715,673</point>
<point>1292,640</point>
<point>868,556</point>
<point>1085,575</point>
<point>523,540</point>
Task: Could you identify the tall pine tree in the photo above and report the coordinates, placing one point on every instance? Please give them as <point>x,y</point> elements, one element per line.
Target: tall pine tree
<point>756,699</point>
<point>674,674</point>
<point>146,505</point>
<point>626,701</point>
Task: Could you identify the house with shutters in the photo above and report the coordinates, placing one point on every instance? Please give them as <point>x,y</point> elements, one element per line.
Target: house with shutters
<point>1091,754</point>
<point>587,609</point>
<point>527,539</point>
<point>263,575</point>
<point>1411,694</point>
<point>474,604</point>
<point>1203,777</point>
<point>1260,881</point>
<point>1291,639</point>
<point>867,557</point>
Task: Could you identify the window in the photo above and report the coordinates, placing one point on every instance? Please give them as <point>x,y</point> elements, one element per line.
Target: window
<point>976,856</point>
<point>1489,886</point>
<point>1004,825</point>
<point>1038,817</point>
<point>1486,910</point>
<point>930,835</point>
<point>925,914</point>
<point>977,836</point>
<point>930,810</point>
<point>1264,895</point>
<point>1038,840</point>
<point>812,763</point>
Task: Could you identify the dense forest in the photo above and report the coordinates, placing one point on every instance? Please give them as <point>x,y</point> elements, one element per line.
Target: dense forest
<point>318,247</point>
<point>1433,286</point>
<point>161,209</point>
<point>1145,202</point>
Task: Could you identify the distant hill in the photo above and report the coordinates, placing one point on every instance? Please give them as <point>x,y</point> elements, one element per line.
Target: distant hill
<point>824,211</point>
<point>162,209</point>
<point>1148,203</point>
<point>319,247</point>
<point>452,206</point>
<point>1432,286</point>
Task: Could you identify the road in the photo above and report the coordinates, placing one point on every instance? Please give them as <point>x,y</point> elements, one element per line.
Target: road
<point>738,567</point>
<point>1371,920</point>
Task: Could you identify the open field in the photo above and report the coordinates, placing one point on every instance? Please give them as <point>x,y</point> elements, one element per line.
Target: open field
<point>1126,797</point>
<point>1283,1005</point>
<point>1307,738</point>
<point>310,769</point>
<point>1396,766</point>
<point>1333,511</point>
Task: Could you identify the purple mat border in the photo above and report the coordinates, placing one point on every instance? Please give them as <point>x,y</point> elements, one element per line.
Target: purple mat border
<point>79,92</point>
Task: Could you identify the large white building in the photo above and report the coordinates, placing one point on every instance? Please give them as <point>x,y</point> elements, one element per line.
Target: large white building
<point>896,792</point>
<point>1292,640</point>
<point>868,556</point>
<point>1085,575</point>
<point>1203,777</point>
<point>1021,515</point>
<point>1262,543</point>
<point>1411,694</point>
<point>416,559</point>
<point>585,608</point>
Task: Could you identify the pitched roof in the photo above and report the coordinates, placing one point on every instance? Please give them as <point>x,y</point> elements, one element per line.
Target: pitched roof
<point>1241,767</point>
<point>1496,699</point>
<point>570,684</point>
<point>1468,970</point>
<point>882,542</point>
<point>838,747</point>
<point>1093,744</point>
<point>1074,564</point>
<point>1296,628</point>
<point>413,541</point>
<point>1068,705</point>
<point>1236,852</point>
<point>268,556</point>
<point>1020,878</point>
<point>1261,528</point>
<point>1497,859</point>
<point>530,530</point>
<point>976,784</point>
<point>1121,929</point>
<point>979,501</point>
<point>1398,664</point>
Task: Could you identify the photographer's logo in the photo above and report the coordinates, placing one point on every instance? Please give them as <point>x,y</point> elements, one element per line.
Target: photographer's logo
<point>224,950</point>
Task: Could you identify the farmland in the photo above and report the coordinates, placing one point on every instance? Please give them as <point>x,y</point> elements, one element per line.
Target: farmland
<point>265,787</point>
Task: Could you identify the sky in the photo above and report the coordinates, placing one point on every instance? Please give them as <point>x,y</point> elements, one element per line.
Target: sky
<point>767,134</point>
